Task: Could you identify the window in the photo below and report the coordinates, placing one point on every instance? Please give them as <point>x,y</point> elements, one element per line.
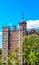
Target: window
<point>4,52</point>
<point>4,47</point>
<point>4,41</point>
<point>5,32</point>
<point>23,32</point>
<point>4,37</point>
<point>4,58</point>
<point>11,32</point>
<point>10,47</point>
<point>16,32</point>
<point>17,42</point>
<point>11,37</point>
<point>17,35</point>
<point>10,42</point>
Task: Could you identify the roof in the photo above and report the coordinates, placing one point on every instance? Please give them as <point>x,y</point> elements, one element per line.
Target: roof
<point>22,22</point>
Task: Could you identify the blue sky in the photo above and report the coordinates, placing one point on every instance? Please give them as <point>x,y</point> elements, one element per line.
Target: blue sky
<point>11,12</point>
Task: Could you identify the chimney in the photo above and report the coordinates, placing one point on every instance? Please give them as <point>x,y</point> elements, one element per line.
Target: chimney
<point>14,28</point>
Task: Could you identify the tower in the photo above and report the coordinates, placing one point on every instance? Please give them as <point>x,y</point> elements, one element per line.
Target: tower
<point>5,43</point>
<point>22,32</point>
<point>23,25</point>
<point>12,38</point>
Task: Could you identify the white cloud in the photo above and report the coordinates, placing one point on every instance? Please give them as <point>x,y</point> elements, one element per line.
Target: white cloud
<point>0,33</point>
<point>32,24</point>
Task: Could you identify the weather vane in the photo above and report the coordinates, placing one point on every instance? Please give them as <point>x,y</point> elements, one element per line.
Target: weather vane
<point>22,16</point>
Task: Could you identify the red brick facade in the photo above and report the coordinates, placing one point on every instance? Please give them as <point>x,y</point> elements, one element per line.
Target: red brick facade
<point>12,38</point>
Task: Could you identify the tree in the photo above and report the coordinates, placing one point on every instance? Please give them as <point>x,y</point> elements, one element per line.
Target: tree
<point>30,45</point>
<point>0,53</point>
<point>0,56</point>
<point>8,61</point>
<point>0,62</point>
<point>12,58</point>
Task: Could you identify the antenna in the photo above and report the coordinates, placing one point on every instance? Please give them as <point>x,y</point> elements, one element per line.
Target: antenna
<point>22,16</point>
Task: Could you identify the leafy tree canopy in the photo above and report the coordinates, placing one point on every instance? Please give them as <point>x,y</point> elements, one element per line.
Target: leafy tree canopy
<point>31,48</point>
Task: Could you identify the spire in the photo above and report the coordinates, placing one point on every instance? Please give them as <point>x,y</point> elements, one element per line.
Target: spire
<point>22,16</point>
<point>22,20</point>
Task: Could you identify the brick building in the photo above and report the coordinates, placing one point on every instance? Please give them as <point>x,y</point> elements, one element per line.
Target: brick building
<point>11,38</point>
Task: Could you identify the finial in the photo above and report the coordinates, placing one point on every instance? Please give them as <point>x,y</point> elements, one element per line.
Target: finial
<point>22,16</point>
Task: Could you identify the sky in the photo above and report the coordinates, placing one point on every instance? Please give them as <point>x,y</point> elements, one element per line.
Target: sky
<point>11,13</point>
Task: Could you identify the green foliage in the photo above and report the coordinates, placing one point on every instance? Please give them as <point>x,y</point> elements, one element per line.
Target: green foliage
<point>0,54</point>
<point>31,48</point>
<point>12,58</point>
<point>0,51</point>
<point>8,60</point>
<point>0,62</point>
